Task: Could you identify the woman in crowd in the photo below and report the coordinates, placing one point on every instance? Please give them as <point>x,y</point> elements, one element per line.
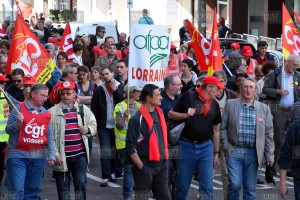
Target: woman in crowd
<point>85,92</point>
<point>62,59</point>
<point>187,76</point>
<point>85,53</point>
<point>85,86</point>
<point>96,75</point>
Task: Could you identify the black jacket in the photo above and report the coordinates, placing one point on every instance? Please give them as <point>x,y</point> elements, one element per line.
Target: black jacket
<point>99,105</point>
<point>137,138</point>
<point>289,153</point>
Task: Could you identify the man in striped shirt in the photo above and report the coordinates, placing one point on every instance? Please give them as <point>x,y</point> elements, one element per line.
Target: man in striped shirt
<point>72,126</point>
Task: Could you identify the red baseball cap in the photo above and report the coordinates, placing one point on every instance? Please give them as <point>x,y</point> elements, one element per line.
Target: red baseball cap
<point>29,80</point>
<point>2,78</point>
<point>235,45</point>
<point>247,51</point>
<point>67,85</point>
<point>213,80</point>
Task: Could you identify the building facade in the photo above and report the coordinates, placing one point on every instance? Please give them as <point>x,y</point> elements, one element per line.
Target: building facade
<point>255,17</point>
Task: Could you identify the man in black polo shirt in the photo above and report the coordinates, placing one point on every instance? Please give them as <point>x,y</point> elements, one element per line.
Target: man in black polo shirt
<point>199,142</point>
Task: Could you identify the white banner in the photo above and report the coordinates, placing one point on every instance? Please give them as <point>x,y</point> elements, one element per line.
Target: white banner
<point>149,54</point>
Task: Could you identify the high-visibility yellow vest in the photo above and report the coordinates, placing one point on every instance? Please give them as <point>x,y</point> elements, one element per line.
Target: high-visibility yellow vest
<point>120,135</point>
<point>4,114</point>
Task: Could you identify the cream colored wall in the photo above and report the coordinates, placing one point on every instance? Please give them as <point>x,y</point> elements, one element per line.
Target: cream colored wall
<point>162,11</point>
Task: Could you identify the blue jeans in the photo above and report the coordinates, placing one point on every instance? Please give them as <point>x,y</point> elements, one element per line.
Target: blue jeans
<point>77,166</point>
<point>242,169</point>
<point>195,156</point>
<point>90,140</point>
<point>297,189</point>
<point>25,177</point>
<point>127,175</point>
<point>108,152</point>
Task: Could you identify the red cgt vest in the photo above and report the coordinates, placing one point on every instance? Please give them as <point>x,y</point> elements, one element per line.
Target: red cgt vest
<point>33,131</point>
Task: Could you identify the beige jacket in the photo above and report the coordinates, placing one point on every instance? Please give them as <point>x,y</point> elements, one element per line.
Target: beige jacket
<point>58,126</point>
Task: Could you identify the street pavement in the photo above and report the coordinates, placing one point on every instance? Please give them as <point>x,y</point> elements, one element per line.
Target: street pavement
<point>114,191</point>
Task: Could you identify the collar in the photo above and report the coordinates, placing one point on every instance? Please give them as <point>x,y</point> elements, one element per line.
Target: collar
<point>286,75</point>
<point>64,106</point>
<point>30,107</point>
<point>252,105</point>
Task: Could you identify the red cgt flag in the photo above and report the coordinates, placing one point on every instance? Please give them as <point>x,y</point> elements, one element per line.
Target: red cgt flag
<point>66,43</point>
<point>290,35</point>
<point>200,45</point>
<point>215,56</point>
<point>296,16</point>
<point>28,54</point>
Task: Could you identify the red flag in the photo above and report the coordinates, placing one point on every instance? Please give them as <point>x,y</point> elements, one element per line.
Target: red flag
<point>290,35</point>
<point>215,56</point>
<point>251,68</point>
<point>28,54</point>
<point>296,16</point>
<point>200,45</point>
<point>66,43</point>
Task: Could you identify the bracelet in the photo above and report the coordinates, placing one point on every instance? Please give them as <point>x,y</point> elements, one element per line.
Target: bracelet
<point>216,152</point>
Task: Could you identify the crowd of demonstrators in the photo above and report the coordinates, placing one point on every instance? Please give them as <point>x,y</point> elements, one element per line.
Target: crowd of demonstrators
<point>133,133</point>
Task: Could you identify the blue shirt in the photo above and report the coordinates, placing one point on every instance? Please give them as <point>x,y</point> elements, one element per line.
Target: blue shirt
<point>146,20</point>
<point>167,103</point>
<point>247,126</point>
<point>13,131</point>
<point>287,84</point>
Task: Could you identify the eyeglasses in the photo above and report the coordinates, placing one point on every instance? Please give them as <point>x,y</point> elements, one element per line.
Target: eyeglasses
<point>15,81</point>
<point>43,96</point>
<point>198,85</point>
<point>66,93</point>
<point>294,64</point>
<point>102,31</point>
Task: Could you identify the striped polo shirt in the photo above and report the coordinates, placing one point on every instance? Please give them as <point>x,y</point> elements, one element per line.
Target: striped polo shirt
<point>74,145</point>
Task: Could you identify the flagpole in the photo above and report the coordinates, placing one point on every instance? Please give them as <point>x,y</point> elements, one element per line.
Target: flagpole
<point>229,72</point>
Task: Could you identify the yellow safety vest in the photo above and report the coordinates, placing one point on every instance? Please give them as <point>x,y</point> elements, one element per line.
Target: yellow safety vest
<point>4,114</point>
<point>120,135</point>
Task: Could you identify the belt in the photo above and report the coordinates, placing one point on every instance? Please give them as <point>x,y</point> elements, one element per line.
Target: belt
<point>193,141</point>
<point>287,109</point>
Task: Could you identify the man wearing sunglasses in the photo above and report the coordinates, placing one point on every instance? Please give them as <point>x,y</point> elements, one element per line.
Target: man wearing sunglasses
<point>72,132</point>
<point>16,89</point>
<point>282,90</point>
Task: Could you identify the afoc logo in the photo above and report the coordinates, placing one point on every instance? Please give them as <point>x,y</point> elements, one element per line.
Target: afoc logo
<point>152,42</point>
